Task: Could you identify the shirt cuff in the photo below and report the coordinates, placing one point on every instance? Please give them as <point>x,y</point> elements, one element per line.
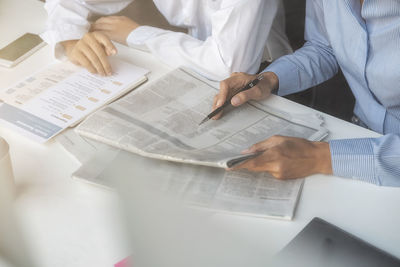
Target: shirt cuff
<point>286,72</point>
<point>354,158</point>
<point>64,33</point>
<point>141,34</point>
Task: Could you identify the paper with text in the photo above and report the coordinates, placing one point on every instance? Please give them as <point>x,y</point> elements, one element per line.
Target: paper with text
<point>161,120</point>
<point>61,95</point>
<point>237,192</point>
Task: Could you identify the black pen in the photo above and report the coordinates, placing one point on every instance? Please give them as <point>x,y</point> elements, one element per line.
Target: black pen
<point>228,101</point>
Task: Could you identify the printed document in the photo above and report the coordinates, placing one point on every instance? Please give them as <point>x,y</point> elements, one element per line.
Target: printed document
<point>161,120</point>
<point>61,95</point>
<point>237,192</point>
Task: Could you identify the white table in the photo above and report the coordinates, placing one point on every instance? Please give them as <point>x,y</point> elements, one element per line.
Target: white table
<point>72,224</point>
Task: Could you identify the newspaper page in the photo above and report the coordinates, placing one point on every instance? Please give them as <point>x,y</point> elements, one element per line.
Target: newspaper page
<point>237,192</point>
<point>161,120</point>
<point>61,95</point>
<point>84,149</point>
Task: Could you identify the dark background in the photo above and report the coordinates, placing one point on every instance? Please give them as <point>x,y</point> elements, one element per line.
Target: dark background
<point>334,96</point>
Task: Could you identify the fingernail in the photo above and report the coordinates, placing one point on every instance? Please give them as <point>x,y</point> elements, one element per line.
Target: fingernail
<point>235,100</point>
<point>113,51</point>
<point>219,103</point>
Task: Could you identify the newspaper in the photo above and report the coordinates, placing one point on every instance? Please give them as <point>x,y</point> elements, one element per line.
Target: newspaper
<point>244,193</point>
<point>235,192</point>
<point>161,120</point>
<point>84,149</point>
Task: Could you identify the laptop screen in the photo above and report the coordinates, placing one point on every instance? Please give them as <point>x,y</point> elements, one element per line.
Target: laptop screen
<point>323,244</point>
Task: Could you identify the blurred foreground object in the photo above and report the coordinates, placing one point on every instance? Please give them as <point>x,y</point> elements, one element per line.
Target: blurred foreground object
<point>12,252</point>
<point>323,244</point>
<point>6,175</point>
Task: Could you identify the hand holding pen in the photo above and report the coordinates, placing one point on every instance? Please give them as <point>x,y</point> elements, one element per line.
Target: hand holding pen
<point>240,88</point>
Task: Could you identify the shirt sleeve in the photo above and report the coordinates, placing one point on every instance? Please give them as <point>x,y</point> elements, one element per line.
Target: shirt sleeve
<point>373,160</point>
<point>312,64</point>
<point>237,42</point>
<point>68,19</point>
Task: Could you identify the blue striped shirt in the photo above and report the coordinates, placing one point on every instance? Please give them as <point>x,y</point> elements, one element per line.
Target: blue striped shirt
<point>365,43</point>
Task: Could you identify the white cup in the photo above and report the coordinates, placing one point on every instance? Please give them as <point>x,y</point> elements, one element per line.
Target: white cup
<point>12,247</point>
<point>7,186</point>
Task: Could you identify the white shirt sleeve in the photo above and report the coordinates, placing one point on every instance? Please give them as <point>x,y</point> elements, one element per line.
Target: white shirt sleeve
<point>68,19</point>
<point>239,35</point>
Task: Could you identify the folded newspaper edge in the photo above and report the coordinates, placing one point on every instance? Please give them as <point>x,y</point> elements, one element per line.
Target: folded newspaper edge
<point>160,122</point>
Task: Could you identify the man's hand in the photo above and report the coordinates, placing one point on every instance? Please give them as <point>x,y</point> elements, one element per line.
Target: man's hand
<point>288,158</point>
<point>117,28</point>
<point>237,81</point>
<point>91,52</point>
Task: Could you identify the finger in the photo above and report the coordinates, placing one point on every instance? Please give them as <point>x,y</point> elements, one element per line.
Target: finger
<point>229,87</point>
<point>216,105</point>
<point>258,164</point>
<point>254,93</point>
<point>235,73</point>
<point>106,20</point>
<point>226,88</point>
<point>75,59</point>
<point>277,169</point>
<point>215,100</point>
<point>102,27</point>
<point>265,145</point>
<point>220,98</point>
<point>93,58</point>
<point>101,55</point>
<point>83,61</point>
<point>106,42</point>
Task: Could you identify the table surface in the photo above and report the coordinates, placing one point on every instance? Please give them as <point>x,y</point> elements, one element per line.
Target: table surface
<point>68,223</point>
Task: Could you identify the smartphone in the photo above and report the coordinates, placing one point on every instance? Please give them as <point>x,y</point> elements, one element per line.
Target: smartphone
<point>20,49</point>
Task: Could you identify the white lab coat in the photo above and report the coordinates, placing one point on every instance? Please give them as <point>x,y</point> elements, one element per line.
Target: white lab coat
<point>224,36</point>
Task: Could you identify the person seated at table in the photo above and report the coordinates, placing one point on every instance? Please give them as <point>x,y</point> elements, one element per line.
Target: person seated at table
<point>224,36</point>
<point>363,39</point>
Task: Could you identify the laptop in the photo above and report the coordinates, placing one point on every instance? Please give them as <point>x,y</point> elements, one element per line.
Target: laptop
<point>323,244</point>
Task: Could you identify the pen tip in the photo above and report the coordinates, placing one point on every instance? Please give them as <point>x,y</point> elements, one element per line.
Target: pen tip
<point>203,121</point>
